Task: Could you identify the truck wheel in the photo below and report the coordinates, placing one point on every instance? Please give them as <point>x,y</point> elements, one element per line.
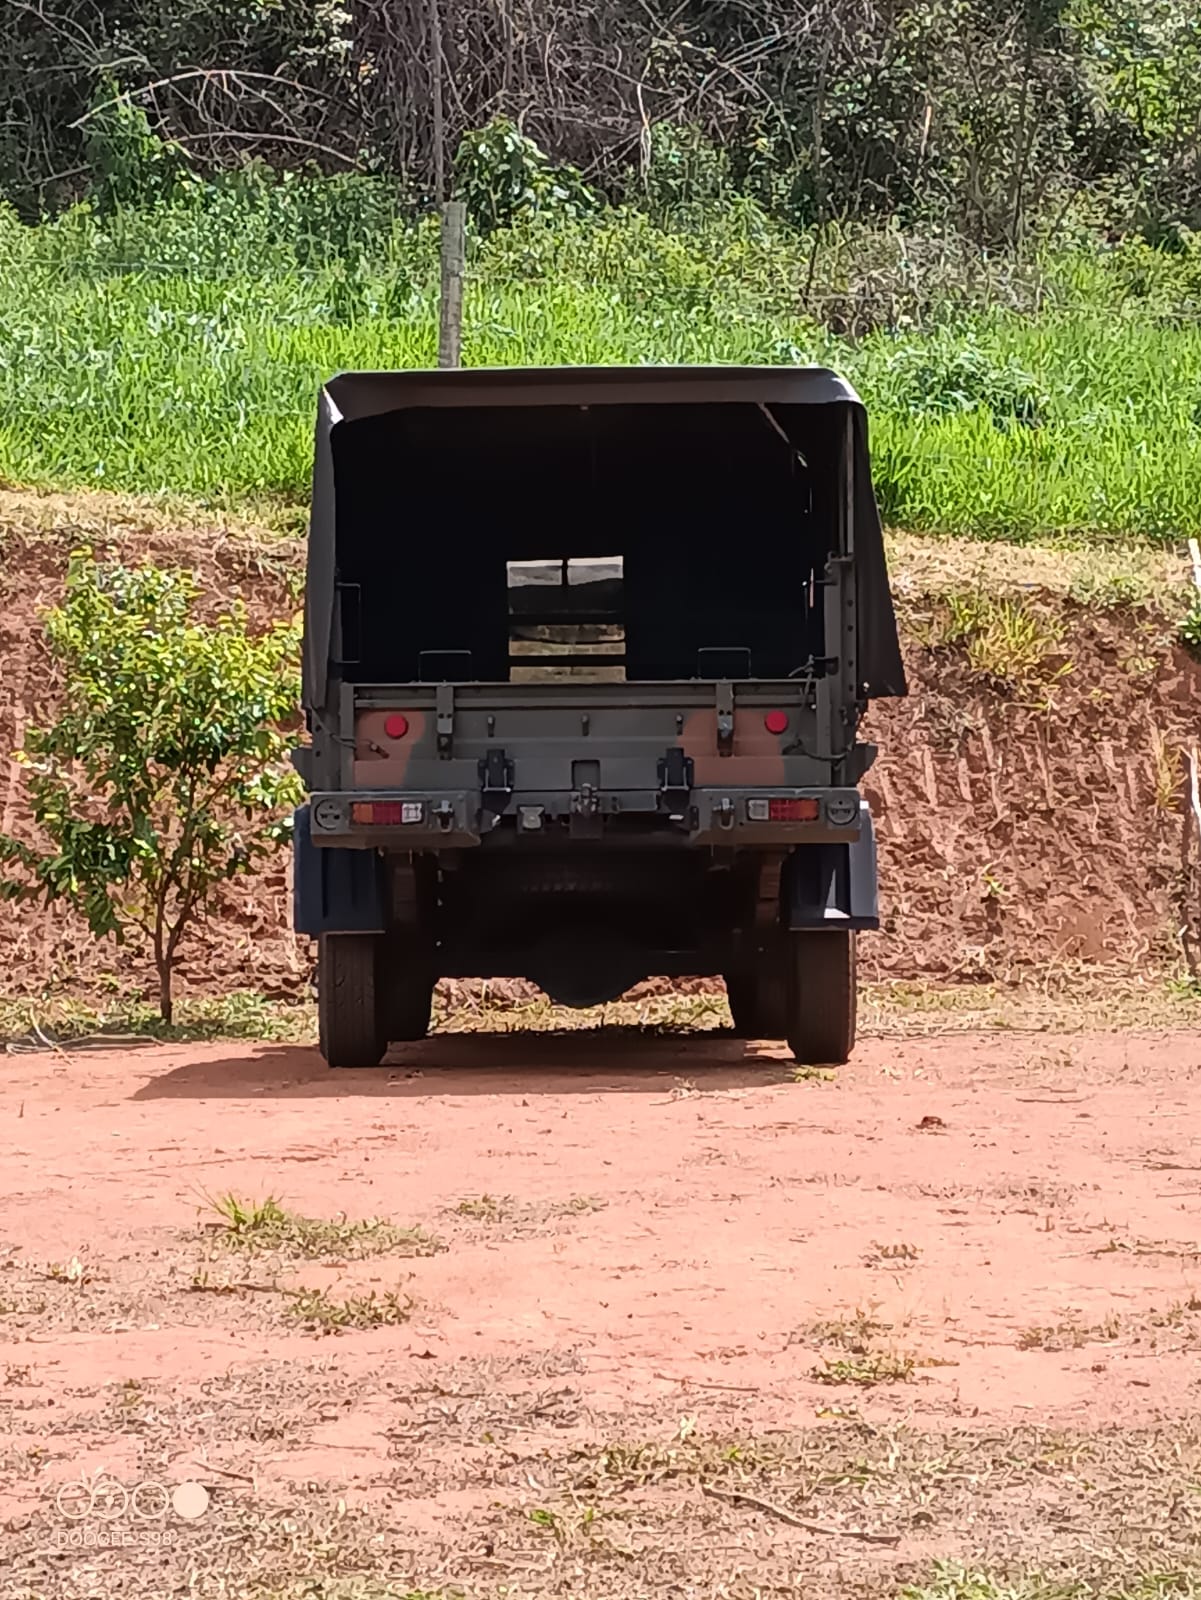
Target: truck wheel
<point>406,987</point>
<point>759,999</point>
<point>822,997</point>
<point>741,997</point>
<point>347,1002</point>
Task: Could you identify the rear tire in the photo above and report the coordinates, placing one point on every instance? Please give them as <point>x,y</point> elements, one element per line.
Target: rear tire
<point>822,998</point>
<point>759,1000</point>
<point>741,996</point>
<point>348,1007</point>
<point>406,987</point>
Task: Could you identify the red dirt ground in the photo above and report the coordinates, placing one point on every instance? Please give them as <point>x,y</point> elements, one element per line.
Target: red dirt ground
<point>657,1244</point>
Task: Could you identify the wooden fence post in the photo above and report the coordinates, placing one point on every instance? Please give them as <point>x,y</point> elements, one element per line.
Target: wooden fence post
<point>450,312</point>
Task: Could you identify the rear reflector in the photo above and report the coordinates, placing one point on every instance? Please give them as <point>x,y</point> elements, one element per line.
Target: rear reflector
<point>378,813</point>
<point>396,726</point>
<point>792,810</point>
<point>776,722</point>
<point>781,808</point>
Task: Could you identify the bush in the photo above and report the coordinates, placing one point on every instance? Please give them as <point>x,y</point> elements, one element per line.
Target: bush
<point>946,375</point>
<point>164,775</point>
<point>502,176</point>
<point>132,165</point>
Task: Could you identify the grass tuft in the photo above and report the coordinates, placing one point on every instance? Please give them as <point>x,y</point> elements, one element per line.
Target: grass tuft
<point>1007,640</point>
<point>867,1370</point>
<point>265,1225</point>
<point>318,1312</point>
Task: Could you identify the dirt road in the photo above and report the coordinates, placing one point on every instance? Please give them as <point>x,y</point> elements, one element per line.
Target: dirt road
<point>651,1318</point>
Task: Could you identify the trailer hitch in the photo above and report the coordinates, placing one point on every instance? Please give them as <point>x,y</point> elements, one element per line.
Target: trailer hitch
<point>496,781</point>
<point>676,777</point>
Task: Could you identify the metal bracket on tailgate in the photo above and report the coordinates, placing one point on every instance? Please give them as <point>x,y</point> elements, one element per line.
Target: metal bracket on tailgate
<point>725,719</point>
<point>496,781</point>
<point>676,777</point>
<point>444,710</point>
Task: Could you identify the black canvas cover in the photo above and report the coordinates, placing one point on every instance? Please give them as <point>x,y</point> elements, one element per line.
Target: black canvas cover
<point>782,394</point>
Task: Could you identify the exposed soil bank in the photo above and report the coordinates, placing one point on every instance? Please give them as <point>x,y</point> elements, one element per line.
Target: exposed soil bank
<point>1027,793</point>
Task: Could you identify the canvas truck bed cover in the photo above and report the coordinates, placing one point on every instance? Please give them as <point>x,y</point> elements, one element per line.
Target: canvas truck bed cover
<point>782,394</point>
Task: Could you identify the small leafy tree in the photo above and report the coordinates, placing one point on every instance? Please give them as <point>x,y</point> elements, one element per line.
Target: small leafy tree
<point>164,774</point>
<point>132,164</point>
<point>503,176</point>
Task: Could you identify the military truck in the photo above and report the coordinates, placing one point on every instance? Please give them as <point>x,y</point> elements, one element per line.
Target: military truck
<point>586,651</point>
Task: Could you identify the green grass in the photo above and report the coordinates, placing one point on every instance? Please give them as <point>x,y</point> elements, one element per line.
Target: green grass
<point>266,1225</point>
<point>62,1022</point>
<point>183,352</point>
<point>867,1370</point>
<point>317,1311</point>
<point>1073,999</point>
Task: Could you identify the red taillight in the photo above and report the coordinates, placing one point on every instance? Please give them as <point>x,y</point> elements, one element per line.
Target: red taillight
<point>792,810</point>
<point>776,721</point>
<point>377,813</point>
<point>396,726</point>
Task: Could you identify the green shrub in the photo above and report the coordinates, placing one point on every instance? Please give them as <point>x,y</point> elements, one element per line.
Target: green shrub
<point>132,166</point>
<point>949,374</point>
<point>163,775</point>
<point>502,176</point>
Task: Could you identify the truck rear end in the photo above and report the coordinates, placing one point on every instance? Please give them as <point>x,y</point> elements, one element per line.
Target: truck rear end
<point>585,657</point>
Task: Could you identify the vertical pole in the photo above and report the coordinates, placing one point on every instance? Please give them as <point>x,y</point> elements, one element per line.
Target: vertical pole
<point>435,23</point>
<point>450,319</point>
<point>450,303</point>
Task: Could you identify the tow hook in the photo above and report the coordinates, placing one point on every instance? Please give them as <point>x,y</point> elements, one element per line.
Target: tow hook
<point>496,782</point>
<point>585,802</point>
<point>724,812</point>
<point>444,815</point>
<point>676,778</point>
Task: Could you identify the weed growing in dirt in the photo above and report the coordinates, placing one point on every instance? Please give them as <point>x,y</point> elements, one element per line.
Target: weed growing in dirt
<point>502,1210</point>
<point>487,1208</point>
<point>318,1312</point>
<point>953,1582</point>
<point>1190,630</point>
<point>853,1333</point>
<point>73,1272</point>
<point>1111,591</point>
<point>868,1370</point>
<point>1008,641</point>
<point>804,1074</point>
<point>1179,1250</point>
<point>63,1022</point>
<point>1069,1335</point>
<point>1167,771</point>
<point>265,1225</point>
<point>892,1255</point>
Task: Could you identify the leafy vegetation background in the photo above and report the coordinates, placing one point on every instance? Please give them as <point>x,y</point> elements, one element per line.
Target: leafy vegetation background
<point>985,215</point>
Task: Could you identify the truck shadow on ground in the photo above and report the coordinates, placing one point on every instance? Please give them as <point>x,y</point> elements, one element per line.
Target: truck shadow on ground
<point>628,1059</point>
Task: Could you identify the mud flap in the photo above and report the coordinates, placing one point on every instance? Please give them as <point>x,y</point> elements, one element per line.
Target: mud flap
<point>833,885</point>
<point>335,891</point>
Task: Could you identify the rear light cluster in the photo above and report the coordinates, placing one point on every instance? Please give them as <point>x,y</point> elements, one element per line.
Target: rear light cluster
<point>387,813</point>
<point>782,808</point>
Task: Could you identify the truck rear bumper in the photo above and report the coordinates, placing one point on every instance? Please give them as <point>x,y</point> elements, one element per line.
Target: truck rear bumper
<point>829,880</point>
<point>449,819</point>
